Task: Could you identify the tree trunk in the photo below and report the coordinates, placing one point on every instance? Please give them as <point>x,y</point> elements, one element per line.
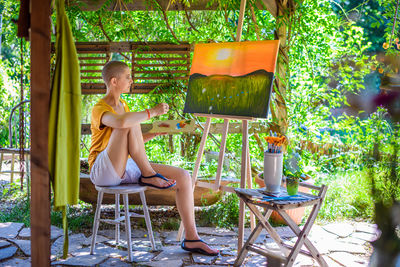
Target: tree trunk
<point>279,108</point>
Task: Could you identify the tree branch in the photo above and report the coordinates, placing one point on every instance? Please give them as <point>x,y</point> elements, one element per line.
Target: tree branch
<point>108,37</point>
<point>166,21</point>
<point>253,17</point>
<point>190,23</point>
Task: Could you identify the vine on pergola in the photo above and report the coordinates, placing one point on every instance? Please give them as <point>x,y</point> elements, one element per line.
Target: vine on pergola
<point>120,24</point>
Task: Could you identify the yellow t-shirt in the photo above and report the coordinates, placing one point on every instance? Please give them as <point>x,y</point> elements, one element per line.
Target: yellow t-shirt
<point>100,133</point>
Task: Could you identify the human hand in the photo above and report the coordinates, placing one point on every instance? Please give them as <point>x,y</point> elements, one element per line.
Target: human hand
<point>160,109</point>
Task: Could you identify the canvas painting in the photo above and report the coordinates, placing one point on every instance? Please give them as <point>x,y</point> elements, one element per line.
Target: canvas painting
<point>232,78</point>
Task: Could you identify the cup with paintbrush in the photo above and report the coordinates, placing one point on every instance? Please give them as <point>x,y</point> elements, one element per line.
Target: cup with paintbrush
<point>273,160</point>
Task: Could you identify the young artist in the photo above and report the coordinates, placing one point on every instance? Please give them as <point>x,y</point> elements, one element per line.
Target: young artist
<point>117,153</point>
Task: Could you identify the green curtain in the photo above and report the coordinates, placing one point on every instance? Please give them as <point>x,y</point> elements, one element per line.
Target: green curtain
<point>65,121</point>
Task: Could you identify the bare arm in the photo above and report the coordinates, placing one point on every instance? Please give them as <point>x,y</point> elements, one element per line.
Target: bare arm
<point>129,119</point>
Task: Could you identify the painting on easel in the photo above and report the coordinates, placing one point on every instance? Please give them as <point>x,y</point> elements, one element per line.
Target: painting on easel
<point>232,78</point>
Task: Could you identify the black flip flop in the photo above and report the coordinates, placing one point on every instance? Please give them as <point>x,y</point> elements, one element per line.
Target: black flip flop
<point>154,176</point>
<point>197,250</point>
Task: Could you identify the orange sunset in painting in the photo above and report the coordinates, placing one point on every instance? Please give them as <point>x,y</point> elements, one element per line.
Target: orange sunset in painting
<point>232,78</point>
<point>234,59</point>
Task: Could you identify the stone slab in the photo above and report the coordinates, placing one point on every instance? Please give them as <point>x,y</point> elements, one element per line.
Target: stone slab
<point>203,259</point>
<point>339,229</point>
<point>366,227</point>
<point>365,236</point>
<point>284,232</point>
<point>330,262</point>
<point>138,244</point>
<point>353,240</point>
<point>170,239</point>
<point>136,233</point>
<point>102,250</point>
<point>76,242</point>
<point>336,246</point>
<point>10,229</point>
<point>227,251</point>
<point>4,243</point>
<point>24,245</point>
<point>347,259</point>
<point>221,260</point>
<point>55,232</point>
<point>318,233</point>
<point>172,253</point>
<point>86,260</point>
<point>99,239</point>
<point>215,231</point>
<point>7,252</point>
<point>260,239</point>
<point>142,256</point>
<point>302,260</point>
<point>15,262</point>
<point>164,263</point>
<point>255,261</point>
<point>115,262</point>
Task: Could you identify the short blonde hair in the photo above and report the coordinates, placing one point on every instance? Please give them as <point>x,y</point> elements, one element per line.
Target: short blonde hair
<point>112,69</point>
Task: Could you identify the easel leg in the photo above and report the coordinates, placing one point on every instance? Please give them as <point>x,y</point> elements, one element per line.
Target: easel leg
<point>245,144</point>
<point>221,155</point>
<point>196,168</point>
<point>250,185</point>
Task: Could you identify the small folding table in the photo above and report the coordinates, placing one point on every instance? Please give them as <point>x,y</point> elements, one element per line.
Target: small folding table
<point>256,197</point>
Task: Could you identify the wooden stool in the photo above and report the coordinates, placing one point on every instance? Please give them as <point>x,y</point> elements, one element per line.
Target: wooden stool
<point>254,198</point>
<point>124,190</point>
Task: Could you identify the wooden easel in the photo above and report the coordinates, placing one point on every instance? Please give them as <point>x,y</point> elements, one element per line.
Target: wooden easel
<point>245,169</point>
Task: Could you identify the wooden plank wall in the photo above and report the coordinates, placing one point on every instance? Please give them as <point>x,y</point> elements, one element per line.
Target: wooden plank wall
<point>152,64</point>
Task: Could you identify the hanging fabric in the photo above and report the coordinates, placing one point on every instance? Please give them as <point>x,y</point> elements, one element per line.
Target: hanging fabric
<point>64,121</point>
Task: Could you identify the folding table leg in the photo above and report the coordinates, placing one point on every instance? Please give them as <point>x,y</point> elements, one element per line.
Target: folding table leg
<point>264,221</point>
<point>253,236</point>
<point>302,236</point>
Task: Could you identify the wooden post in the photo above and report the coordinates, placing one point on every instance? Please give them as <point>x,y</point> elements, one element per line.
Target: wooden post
<point>40,102</point>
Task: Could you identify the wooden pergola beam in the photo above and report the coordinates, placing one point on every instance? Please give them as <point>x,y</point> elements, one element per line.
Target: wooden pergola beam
<point>138,5</point>
<point>40,103</point>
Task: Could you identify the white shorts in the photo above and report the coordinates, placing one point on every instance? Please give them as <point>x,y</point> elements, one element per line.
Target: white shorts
<point>104,174</point>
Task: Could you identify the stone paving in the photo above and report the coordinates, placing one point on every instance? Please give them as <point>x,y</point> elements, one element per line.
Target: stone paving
<point>342,244</point>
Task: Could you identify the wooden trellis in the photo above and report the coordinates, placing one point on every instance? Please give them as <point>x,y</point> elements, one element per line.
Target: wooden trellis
<point>152,64</point>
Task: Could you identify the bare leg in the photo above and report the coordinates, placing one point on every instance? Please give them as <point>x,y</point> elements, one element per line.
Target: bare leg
<point>184,202</point>
<point>130,141</point>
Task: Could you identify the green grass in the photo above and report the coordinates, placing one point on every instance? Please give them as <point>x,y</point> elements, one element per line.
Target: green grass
<point>221,94</point>
<point>348,196</point>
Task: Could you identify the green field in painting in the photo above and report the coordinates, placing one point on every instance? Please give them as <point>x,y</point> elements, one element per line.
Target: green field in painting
<point>246,95</point>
